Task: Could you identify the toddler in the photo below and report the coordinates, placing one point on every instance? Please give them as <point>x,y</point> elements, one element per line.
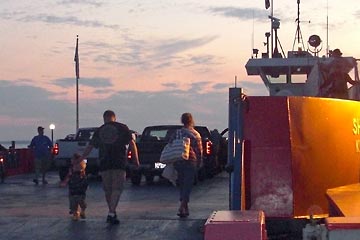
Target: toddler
<point>77,182</point>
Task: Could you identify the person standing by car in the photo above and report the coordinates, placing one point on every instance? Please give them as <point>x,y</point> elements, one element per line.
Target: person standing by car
<point>111,139</point>
<point>41,146</point>
<point>186,169</point>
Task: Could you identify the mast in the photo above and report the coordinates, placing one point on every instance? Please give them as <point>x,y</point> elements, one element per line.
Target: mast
<point>298,34</point>
<point>272,30</point>
<point>327,28</point>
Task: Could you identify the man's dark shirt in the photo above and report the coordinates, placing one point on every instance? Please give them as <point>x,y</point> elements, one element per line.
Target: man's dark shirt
<point>111,140</point>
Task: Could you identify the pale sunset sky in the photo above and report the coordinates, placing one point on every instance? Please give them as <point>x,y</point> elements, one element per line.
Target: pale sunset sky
<point>148,60</point>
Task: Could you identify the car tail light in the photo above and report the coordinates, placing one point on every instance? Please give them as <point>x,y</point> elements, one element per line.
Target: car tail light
<point>208,147</point>
<point>56,149</point>
<point>129,155</point>
<point>1,159</point>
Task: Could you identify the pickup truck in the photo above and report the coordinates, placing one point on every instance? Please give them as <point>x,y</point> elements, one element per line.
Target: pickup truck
<point>152,141</point>
<point>65,148</point>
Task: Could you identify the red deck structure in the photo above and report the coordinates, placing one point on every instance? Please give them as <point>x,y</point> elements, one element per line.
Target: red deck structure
<point>297,148</point>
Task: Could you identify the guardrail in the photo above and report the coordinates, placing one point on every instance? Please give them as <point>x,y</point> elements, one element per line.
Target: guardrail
<point>18,161</point>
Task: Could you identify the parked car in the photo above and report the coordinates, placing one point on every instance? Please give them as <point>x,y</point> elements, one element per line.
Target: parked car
<point>152,141</point>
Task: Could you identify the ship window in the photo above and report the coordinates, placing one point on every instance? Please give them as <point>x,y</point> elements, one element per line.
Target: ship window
<point>298,78</point>
<point>277,79</point>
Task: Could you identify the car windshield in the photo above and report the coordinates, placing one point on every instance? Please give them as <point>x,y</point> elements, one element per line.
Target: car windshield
<point>164,133</point>
<point>157,134</point>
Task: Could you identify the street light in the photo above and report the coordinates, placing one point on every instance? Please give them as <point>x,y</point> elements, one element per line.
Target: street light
<point>52,127</point>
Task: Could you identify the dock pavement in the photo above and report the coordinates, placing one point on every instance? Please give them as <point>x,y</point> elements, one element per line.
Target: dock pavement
<point>30,212</point>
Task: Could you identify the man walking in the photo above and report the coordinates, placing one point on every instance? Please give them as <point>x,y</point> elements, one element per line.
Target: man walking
<point>41,146</point>
<point>111,139</point>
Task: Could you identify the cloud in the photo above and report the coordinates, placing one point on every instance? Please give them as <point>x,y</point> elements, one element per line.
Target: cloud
<point>70,20</point>
<point>105,91</point>
<point>164,65</point>
<point>357,14</point>
<point>24,107</point>
<point>221,86</point>
<point>175,46</point>
<point>197,87</point>
<point>8,15</point>
<point>247,14</point>
<point>82,2</point>
<point>241,13</point>
<point>253,88</point>
<point>131,52</point>
<point>34,106</point>
<point>154,54</point>
<point>170,85</point>
<point>204,59</point>
<point>166,107</point>
<point>90,82</point>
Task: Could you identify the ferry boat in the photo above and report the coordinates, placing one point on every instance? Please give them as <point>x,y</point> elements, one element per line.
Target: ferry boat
<point>304,137</point>
<point>288,151</point>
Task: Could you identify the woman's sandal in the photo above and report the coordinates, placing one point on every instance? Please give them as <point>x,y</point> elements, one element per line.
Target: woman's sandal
<point>182,213</point>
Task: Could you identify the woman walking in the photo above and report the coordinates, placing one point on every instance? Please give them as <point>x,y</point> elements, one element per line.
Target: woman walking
<point>186,169</point>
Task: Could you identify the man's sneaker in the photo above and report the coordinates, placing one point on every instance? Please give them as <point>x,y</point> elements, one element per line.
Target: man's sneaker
<point>82,214</point>
<point>36,181</point>
<point>112,220</point>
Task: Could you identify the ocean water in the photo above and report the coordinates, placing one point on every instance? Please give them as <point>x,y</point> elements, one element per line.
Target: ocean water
<point>18,144</point>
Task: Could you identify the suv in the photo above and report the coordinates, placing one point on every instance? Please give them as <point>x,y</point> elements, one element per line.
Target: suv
<point>152,141</point>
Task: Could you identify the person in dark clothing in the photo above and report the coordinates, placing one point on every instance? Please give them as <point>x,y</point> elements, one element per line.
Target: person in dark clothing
<point>336,77</point>
<point>112,139</point>
<point>41,146</point>
<point>78,184</point>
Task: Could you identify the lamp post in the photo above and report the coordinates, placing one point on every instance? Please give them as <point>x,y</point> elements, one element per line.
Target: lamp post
<point>52,127</point>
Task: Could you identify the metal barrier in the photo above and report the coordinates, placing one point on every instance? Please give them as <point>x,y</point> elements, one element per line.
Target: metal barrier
<point>18,161</point>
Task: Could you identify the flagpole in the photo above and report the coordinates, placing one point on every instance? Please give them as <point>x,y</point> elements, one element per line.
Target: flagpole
<point>77,70</point>
<point>77,104</point>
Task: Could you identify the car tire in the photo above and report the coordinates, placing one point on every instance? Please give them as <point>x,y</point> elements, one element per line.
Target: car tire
<point>63,171</point>
<point>196,180</point>
<point>98,178</point>
<point>2,174</point>
<point>149,179</point>
<point>135,178</point>
<point>201,174</point>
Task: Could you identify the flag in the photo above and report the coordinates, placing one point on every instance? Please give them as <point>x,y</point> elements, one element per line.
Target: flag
<point>76,58</point>
<point>267,4</point>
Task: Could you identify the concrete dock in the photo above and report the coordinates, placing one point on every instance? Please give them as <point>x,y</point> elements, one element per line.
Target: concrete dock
<point>147,212</point>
